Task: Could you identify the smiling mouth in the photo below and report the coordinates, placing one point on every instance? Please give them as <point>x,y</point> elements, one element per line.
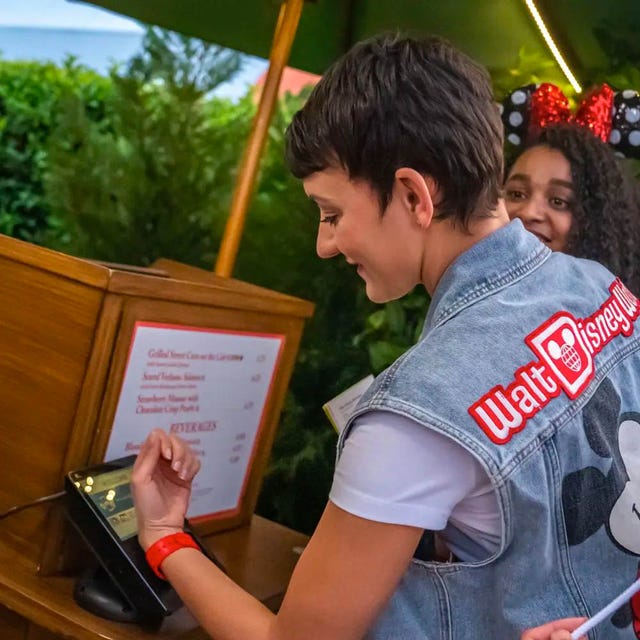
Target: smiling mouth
<point>541,237</point>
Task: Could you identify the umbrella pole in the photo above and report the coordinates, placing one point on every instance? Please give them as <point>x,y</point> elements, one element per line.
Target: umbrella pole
<point>284,34</point>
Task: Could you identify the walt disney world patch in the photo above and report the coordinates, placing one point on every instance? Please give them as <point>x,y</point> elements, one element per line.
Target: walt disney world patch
<point>565,347</point>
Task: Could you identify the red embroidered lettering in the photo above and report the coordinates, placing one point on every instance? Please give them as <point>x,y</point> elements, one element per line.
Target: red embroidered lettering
<point>565,347</point>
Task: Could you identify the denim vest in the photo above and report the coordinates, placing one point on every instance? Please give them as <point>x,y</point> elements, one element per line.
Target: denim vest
<point>531,361</point>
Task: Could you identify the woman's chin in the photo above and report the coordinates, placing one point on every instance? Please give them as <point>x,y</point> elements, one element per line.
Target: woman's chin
<point>379,295</point>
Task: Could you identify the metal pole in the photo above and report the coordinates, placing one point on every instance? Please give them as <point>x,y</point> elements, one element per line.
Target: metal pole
<point>284,34</point>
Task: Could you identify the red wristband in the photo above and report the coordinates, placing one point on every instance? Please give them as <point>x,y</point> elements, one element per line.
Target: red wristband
<point>160,549</point>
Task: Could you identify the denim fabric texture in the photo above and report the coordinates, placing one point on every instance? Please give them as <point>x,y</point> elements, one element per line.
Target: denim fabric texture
<point>531,361</point>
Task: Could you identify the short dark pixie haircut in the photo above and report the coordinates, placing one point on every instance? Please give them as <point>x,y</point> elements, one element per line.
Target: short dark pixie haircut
<point>395,101</point>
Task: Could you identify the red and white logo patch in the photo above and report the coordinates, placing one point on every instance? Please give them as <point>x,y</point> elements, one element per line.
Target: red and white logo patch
<point>565,347</point>
<point>558,343</point>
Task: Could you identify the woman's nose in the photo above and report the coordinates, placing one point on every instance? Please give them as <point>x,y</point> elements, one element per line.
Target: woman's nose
<point>532,210</point>
<point>325,242</point>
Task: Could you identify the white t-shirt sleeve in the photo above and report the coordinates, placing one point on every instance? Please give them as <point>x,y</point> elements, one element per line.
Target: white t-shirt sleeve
<point>394,470</point>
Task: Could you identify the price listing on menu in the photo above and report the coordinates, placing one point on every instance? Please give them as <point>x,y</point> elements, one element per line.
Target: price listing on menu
<point>209,387</point>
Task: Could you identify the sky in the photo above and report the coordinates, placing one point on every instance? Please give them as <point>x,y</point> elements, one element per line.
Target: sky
<point>51,29</point>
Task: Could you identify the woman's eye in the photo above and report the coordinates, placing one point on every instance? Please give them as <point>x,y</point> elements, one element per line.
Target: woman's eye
<point>514,195</point>
<point>330,219</point>
<point>560,203</point>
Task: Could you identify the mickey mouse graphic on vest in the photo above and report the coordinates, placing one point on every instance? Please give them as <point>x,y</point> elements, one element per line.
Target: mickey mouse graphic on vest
<point>616,437</point>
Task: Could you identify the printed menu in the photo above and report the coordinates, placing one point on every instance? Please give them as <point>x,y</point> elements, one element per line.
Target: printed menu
<point>209,387</point>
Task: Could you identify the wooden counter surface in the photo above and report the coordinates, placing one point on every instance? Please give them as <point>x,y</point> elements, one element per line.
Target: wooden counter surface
<point>259,557</point>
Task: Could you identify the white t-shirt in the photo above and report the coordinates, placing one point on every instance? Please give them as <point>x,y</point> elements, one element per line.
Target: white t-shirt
<point>394,470</point>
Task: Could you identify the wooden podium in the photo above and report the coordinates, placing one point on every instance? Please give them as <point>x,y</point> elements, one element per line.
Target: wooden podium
<point>65,332</point>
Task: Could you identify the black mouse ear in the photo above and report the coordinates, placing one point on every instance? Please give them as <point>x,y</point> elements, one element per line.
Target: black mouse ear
<point>600,416</point>
<point>515,110</point>
<point>625,125</point>
<point>579,489</point>
<point>623,617</point>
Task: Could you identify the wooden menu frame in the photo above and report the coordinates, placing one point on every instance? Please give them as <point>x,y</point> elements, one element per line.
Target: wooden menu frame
<point>162,312</point>
<point>217,318</point>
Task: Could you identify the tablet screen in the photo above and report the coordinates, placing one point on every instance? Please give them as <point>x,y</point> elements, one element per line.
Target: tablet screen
<point>110,491</point>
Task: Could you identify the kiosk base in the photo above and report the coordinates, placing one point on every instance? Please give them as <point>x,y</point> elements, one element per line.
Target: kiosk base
<point>95,591</point>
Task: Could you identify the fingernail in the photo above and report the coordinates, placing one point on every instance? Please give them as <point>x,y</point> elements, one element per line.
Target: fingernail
<point>176,466</point>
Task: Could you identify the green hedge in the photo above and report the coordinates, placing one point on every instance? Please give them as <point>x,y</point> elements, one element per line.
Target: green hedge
<point>29,98</point>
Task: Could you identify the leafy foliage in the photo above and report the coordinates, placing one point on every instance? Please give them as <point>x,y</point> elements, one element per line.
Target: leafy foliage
<point>29,97</point>
<point>180,61</point>
<point>154,183</point>
<point>391,330</point>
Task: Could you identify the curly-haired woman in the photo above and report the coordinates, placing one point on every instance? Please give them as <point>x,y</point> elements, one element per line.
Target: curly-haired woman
<point>571,191</point>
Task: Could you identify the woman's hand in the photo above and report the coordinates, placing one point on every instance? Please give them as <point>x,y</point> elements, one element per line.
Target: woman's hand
<point>161,485</point>
<point>557,630</point>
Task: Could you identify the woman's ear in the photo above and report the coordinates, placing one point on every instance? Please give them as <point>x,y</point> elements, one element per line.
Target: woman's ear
<point>417,193</point>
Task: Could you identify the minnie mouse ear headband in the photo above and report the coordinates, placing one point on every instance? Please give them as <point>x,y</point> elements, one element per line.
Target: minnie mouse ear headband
<point>614,117</point>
